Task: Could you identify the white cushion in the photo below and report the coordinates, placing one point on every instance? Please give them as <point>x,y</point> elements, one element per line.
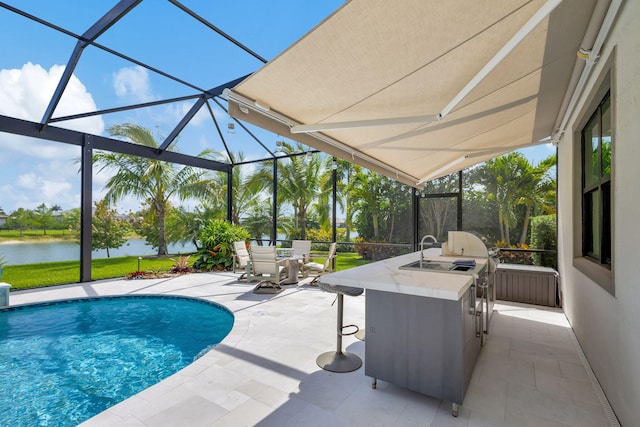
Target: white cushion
<point>314,266</point>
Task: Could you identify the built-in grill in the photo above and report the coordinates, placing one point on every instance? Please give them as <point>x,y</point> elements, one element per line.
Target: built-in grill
<point>489,293</point>
<point>462,243</point>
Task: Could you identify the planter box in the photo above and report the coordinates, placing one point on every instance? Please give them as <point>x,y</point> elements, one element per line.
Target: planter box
<point>4,294</point>
<point>528,284</point>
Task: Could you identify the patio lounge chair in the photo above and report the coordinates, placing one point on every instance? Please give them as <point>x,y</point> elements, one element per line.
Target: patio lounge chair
<point>265,267</point>
<point>240,258</point>
<point>318,269</point>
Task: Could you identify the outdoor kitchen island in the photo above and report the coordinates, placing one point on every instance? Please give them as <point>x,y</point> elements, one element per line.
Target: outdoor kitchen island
<point>423,327</point>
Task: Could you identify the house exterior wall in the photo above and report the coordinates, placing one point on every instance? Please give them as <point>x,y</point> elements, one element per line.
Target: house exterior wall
<point>608,326</point>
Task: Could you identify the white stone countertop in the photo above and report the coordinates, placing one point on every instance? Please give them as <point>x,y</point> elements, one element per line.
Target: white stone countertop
<point>386,276</point>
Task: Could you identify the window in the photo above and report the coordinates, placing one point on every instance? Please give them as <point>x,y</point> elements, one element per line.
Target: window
<point>596,185</point>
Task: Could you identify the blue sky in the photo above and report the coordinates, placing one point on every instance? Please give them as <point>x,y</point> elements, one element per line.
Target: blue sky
<point>156,33</point>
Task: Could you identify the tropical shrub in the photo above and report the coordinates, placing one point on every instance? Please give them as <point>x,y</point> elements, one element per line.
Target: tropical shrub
<point>181,264</point>
<point>216,245</point>
<point>520,256</point>
<point>327,236</point>
<point>544,236</point>
<point>370,251</point>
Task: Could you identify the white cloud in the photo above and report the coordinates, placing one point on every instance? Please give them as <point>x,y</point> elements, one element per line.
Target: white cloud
<point>16,148</point>
<point>26,93</point>
<point>34,171</point>
<point>179,110</point>
<point>201,116</point>
<point>51,182</point>
<point>133,83</point>
<point>203,142</point>
<point>29,190</point>
<point>27,181</point>
<point>38,172</point>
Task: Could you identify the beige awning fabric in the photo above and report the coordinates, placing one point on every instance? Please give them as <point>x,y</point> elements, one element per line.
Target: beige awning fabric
<point>421,88</point>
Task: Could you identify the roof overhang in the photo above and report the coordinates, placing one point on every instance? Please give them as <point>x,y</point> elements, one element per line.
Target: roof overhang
<point>420,89</point>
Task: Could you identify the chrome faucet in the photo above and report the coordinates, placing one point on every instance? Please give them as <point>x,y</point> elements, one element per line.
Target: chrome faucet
<point>428,236</point>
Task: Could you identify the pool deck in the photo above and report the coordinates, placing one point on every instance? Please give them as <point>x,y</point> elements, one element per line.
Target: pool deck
<point>264,372</point>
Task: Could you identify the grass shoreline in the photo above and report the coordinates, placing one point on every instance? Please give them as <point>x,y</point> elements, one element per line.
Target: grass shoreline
<point>35,236</point>
<point>35,239</point>
<point>31,276</point>
<point>32,240</point>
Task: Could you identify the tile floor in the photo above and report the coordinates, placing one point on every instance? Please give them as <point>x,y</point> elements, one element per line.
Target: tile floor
<point>264,372</point>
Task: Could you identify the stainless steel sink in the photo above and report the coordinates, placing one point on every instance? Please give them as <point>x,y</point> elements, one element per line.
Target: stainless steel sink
<point>442,266</point>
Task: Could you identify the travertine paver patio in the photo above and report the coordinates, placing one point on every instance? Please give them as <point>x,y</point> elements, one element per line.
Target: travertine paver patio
<point>264,373</point>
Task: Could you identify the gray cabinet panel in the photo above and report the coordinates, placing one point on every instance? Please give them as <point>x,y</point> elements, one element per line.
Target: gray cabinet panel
<point>424,359</point>
<point>423,344</point>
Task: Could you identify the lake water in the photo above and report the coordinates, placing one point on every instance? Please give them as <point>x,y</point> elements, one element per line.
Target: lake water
<point>31,253</point>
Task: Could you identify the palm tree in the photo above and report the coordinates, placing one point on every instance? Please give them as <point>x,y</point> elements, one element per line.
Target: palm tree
<point>153,181</point>
<point>500,181</point>
<point>244,189</point>
<point>537,190</point>
<point>322,206</point>
<point>366,191</point>
<point>511,181</point>
<point>183,226</point>
<point>437,214</point>
<point>299,184</point>
<point>299,179</point>
<point>258,220</point>
<point>345,172</point>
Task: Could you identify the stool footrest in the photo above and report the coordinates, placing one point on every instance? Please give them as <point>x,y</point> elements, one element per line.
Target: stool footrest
<point>345,334</point>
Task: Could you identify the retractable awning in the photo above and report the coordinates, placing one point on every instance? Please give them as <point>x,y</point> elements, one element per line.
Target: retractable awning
<point>421,88</point>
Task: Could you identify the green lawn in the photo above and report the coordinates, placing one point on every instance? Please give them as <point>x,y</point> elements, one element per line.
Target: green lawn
<point>26,276</point>
<point>346,260</point>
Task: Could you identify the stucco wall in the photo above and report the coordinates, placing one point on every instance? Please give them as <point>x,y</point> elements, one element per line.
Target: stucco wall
<point>608,327</point>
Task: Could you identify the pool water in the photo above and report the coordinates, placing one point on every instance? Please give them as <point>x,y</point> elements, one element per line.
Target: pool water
<point>62,363</point>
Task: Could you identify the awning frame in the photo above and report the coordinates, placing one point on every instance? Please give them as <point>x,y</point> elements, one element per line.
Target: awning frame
<point>245,104</point>
<point>316,130</point>
<point>517,38</point>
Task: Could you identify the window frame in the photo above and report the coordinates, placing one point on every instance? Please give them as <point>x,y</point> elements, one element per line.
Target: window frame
<point>596,195</point>
<point>601,274</point>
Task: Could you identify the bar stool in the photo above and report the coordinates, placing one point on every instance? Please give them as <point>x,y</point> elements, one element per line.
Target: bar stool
<point>339,361</point>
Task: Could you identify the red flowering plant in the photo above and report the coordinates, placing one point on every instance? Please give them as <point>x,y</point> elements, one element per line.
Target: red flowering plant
<point>136,275</point>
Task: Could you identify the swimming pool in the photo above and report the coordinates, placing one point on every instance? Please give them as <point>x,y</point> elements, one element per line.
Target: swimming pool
<point>64,362</point>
